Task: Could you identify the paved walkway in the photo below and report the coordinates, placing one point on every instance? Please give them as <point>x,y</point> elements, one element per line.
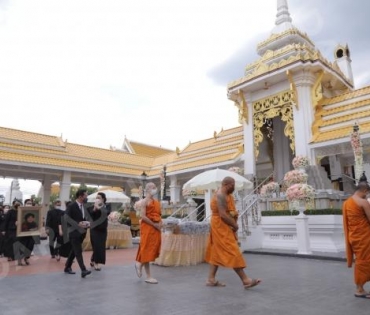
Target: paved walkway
<point>290,286</point>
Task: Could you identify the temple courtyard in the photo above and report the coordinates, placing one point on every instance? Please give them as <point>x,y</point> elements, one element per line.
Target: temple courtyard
<point>290,285</point>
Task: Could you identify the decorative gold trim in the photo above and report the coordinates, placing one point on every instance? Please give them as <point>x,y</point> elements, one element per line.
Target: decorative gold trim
<point>241,104</point>
<point>280,205</point>
<point>316,91</point>
<point>293,88</point>
<point>317,99</point>
<point>296,52</point>
<point>275,37</point>
<point>276,105</point>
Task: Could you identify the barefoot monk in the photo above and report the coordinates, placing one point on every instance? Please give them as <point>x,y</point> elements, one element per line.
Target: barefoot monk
<point>150,232</point>
<point>222,248</point>
<point>356,224</point>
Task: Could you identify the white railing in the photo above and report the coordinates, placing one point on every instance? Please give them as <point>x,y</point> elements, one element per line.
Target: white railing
<point>195,211</point>
<point>250,208</point>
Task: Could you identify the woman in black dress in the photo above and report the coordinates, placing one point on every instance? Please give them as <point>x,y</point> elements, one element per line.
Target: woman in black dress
<point>9,230</point>
<point>98,230</point>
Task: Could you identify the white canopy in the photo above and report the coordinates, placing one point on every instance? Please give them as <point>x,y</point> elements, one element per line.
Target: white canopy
<point>113,196</point>
<point>211,180</point>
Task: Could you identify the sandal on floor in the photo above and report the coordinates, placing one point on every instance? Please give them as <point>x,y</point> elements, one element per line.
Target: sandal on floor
<point>138,270</point>
<point>364,295</point>
<point>252,284</point>
<point>215,284</point>
<point>151,281</point>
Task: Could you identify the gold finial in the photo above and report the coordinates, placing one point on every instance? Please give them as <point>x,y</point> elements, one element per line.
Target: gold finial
<point>215,134</point>
<point>177,150</point>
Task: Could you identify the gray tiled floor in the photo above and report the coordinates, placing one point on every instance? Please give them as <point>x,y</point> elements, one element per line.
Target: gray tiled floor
<point>290,286</point>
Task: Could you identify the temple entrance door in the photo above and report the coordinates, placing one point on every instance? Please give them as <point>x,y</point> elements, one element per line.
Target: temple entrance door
<point>283,154</point>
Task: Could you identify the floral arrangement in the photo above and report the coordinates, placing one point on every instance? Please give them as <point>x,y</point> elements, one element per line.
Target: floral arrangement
<point>270,188</point>
<point>138,205</point>
<point>295,177</point>
<point>300,161</point>
<point>300,192</point>
<point>114,217</point>
<point>358,152</point>
<point>187,193</point>
<point>236,170</point>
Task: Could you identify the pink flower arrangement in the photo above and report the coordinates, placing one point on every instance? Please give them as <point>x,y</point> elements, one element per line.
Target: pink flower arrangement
<point>114,217</point>
<point>300,161</point>
<point>270,188</point>
<point>295,177</point>
<point>300,192</point>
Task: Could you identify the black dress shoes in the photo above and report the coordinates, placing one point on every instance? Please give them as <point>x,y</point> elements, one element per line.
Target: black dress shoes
<point>84,273</point>
<point>69,271</point>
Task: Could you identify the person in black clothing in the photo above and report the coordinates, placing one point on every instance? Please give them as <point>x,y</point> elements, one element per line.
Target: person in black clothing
<point>75,217</point>
<point>2,237</point>
<point>53,224</point>
<point>9,230</point>
<point>98,230</point>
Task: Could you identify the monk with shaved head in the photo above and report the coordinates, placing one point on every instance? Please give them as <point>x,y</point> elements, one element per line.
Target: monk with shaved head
<point>356,224</point>
<point>222,248</point>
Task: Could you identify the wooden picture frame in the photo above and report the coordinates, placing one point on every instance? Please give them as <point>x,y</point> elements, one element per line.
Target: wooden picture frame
<point>32,226</point>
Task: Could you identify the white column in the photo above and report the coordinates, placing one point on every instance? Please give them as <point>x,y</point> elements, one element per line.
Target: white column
<point>46,192</point>
<point>175,189</point>
<point>207,201</point>
<point>65,187</point>
<point>249,158</point>
<point>303,116</point>
<point>303,235</point>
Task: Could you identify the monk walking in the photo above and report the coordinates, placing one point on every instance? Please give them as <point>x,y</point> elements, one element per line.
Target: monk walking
<point>356,224</point>
<point>150,233</point>
<point>222,248</point>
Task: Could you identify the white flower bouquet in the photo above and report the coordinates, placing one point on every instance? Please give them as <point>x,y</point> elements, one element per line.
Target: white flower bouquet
<point>268,189</point>
<point>114,217</point>
<point>188,193</point>
<point>300,161</point>
<point>236,170</point>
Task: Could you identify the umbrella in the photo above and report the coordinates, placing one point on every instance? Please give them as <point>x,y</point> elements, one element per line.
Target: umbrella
<point>212,179</point>
<point>113,196</point>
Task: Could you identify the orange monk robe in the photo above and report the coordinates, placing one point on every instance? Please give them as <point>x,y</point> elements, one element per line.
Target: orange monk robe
<point>357,239</point>
<point>150,237</point>
<point>222,249</point>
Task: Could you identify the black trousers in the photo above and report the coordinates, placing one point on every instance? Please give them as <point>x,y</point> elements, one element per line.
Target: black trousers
<point>76,252</point>
<point>23,247</point>
<point>98,240</point>
<point>54,246</point>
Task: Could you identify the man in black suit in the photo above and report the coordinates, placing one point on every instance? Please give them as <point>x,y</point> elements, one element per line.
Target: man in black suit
<point>53,221</point>
<point>76,216</point>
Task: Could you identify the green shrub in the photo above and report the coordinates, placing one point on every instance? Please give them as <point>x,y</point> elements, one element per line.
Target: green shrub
<point>271,213</point>
<point>275,213</point>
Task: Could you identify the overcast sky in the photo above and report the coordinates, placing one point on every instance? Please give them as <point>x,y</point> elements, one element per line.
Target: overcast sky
<point>96,71</point>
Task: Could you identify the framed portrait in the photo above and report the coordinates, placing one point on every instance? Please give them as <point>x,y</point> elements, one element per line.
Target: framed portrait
<point>29,221</point>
